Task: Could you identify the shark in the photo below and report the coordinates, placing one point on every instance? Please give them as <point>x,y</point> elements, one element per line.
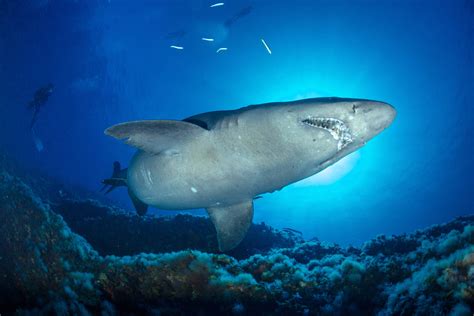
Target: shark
<point>223,160</point>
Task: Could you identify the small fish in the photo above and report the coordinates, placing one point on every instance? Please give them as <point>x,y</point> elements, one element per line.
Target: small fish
<point>177,47</point>
<point>219,4</point>
<point>266,46</point>
<point>207,39</point>
<point>291,230</point>
<point>222,49</point>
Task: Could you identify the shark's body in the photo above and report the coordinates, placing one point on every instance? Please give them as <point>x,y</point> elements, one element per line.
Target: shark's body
<point>222,160</point>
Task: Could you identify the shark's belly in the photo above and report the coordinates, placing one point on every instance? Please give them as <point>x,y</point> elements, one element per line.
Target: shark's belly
<point>180,182</point>
<point>208,175</point>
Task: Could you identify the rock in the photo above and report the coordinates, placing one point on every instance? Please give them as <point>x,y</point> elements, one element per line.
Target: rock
<point>46,267</point>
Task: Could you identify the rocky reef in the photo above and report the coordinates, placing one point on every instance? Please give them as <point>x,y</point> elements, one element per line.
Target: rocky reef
<point>132,234</point>
<point>72,256</point>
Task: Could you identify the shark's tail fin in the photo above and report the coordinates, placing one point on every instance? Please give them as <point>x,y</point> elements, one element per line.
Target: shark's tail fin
<point>119,179</point>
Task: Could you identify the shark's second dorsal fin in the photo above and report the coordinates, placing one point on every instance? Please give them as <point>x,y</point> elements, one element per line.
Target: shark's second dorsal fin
<point>231,223</point>
<point>155,136</point>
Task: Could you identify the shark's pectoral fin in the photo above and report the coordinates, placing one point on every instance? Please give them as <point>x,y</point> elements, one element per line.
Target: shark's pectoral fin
<point>155,136</point>
<point>140,207</point>
<point>231,223</point>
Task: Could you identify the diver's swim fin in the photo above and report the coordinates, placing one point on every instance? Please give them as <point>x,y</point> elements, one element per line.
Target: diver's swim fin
<point>38,143</point>
<point>118,179</point>
<point>140,207</point>
<point>231,223</point>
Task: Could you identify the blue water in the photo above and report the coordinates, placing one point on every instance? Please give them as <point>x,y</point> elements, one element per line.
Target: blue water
<point>110,62</point>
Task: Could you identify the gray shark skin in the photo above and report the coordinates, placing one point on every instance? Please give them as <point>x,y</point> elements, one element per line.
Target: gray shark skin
<point>222,160</point>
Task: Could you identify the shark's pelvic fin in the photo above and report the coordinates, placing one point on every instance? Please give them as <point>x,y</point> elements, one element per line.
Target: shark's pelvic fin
<point>155,136</point>
<point>231,223</point>
<point>140,207</point>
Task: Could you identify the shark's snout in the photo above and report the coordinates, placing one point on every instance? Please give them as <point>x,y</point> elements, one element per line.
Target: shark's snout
<point>385,114</point>
<point>390,112</point>
<point>377,115</point>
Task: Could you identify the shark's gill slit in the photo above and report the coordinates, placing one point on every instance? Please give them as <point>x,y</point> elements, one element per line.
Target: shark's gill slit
<point>337,128</point>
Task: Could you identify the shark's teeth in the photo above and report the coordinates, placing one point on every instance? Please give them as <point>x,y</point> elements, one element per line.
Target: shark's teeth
<point>337,128</point>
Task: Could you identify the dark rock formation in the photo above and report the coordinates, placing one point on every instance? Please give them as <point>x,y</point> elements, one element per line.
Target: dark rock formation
<point>129,234</point>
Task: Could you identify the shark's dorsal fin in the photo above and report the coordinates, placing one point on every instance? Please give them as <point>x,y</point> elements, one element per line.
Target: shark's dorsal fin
<point>231,223</point>
<point>208,120</point>
<point>155,136</point>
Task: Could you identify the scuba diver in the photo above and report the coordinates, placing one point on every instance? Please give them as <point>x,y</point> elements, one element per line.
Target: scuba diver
<point>39,100</point>
<point>242,13</point>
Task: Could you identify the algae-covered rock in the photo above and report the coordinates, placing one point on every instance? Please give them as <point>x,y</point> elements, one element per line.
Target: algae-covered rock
<point>47,268</point>
<point>44,264</point>
<point>41,258</point>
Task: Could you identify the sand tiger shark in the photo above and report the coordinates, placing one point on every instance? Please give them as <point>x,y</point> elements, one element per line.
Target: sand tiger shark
<point>223,160</point>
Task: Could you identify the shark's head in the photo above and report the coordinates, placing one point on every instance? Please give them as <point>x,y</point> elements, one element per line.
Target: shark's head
<point>350,122</point>
<point>331,128</point>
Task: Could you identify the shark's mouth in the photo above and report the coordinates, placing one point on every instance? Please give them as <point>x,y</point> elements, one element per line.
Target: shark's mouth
<point>337,128</point>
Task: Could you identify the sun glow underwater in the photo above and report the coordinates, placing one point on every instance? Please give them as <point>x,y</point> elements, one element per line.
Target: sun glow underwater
<point>333,173</point>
